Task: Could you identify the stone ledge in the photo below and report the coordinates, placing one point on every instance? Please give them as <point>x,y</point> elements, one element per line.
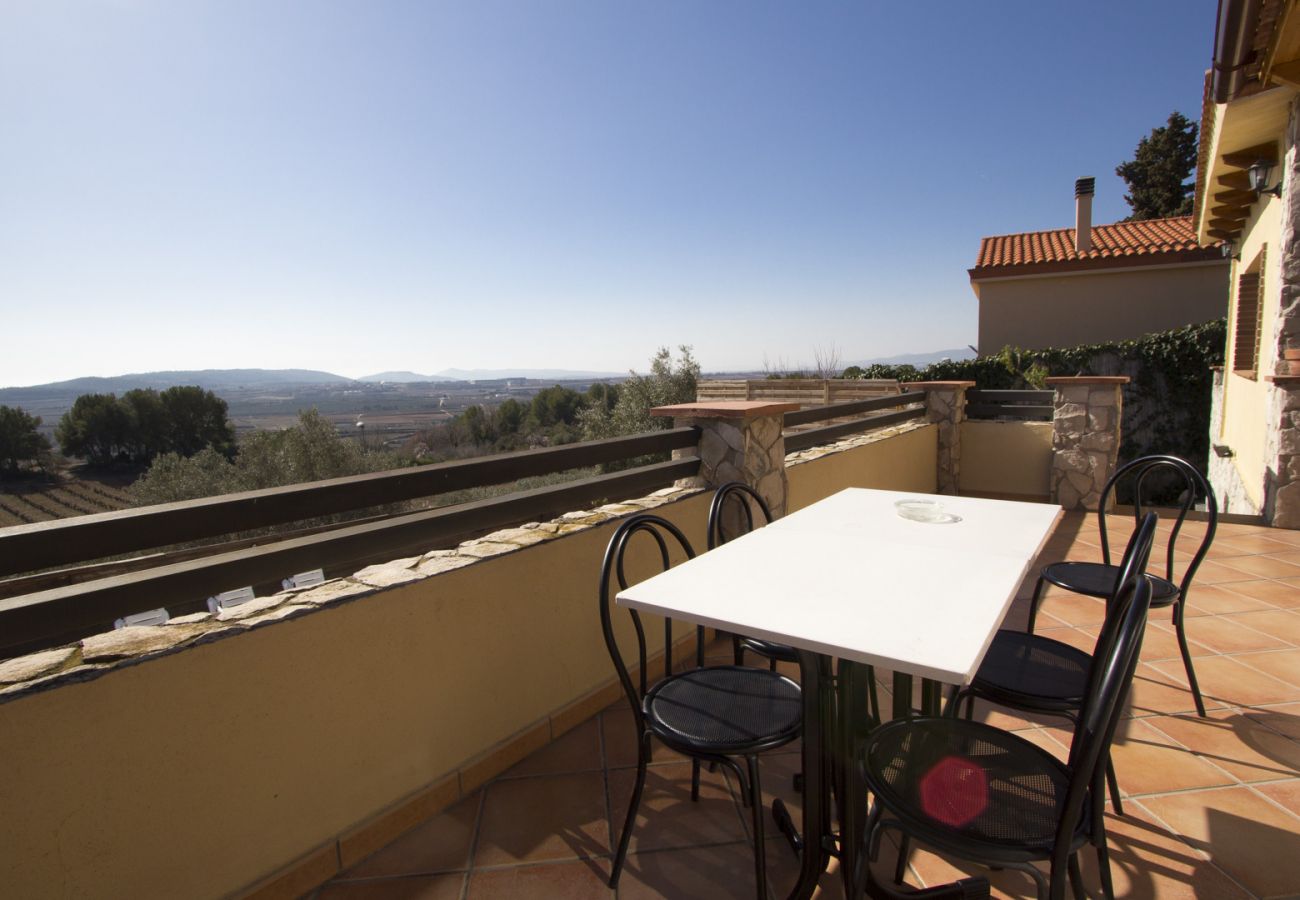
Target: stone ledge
<point>799,457</point>
<point>108,651</point>
<point>724,409</point>
<point>953,385</point>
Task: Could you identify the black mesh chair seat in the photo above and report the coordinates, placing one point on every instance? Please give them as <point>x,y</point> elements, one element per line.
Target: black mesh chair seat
<point>771,649</point>
<point>1098,580</point>
<point>724,710</point>
<point>1032,672</point>
<point>970,788</point>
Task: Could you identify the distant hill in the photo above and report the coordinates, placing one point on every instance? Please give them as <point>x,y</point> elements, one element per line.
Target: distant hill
<point>210,379</point>
<point>540,374</point>
<point>396,377</point>
<point>916,359</point>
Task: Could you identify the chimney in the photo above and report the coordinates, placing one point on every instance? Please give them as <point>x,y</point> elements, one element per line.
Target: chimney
<point>1083,190</point>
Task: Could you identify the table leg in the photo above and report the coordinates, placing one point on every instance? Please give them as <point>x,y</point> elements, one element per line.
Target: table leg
<point>852,724</point>
<point>931,696</point>
<point>902,695</point>
<point>818,719</point>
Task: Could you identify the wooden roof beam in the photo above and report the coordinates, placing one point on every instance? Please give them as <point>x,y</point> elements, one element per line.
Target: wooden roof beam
<point>1244,159</point>
<point>1236,198</point>
<point>1237,181</point>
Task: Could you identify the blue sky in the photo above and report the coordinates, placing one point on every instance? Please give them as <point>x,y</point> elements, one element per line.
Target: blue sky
<point>421,185</point>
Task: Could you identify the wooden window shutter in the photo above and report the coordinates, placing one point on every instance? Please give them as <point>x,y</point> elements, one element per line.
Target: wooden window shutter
<point>1245,347</point>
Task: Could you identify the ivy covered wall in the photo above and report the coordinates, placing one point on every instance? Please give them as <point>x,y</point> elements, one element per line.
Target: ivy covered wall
<point>1166,402</point>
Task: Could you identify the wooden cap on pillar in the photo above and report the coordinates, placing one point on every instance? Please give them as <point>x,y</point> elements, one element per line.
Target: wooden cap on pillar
<point>724,409</point>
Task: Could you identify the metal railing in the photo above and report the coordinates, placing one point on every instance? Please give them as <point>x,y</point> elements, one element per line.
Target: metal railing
<point>85,599</point>
<point>1021,406</point>
<point>911,403</point>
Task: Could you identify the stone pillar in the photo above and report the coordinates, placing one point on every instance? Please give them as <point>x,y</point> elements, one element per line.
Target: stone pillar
<point>945,406</point>
<point>740,440</point>
<point>1085,437</point>
<point>1282,496</point>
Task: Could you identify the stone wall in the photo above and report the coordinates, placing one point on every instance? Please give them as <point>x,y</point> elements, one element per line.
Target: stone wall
<point>1282,495</point>
<point>1085,438</point>
<point>739,441</point>
<point>945,406</point>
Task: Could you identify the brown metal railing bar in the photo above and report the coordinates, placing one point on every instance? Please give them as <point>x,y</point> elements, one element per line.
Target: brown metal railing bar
<point>978,395</point>
<point>840,410</point>
<point>41,545</point>
<point>26,620</point>
<point>28,584</point>
<point>813,437</point>
<point>1021,411</point>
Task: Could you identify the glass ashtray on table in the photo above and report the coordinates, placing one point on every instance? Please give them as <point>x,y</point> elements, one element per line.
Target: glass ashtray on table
<point>922,510</point>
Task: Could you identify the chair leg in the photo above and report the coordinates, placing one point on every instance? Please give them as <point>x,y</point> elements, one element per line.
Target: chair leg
<point>760,843</point>
<point>1181,631</point>
<point>1103,862</point>
<point>737,651</point>
<point>1033,605</point>
<point>695,779</point>
<point>642,756</point>
<point>1076,877</point>
<point>900,867</point>
<point>1111,780</point>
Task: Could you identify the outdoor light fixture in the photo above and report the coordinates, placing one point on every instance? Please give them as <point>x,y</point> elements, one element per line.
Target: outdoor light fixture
<point>1223,452</point>
<point>1227,249</point>
<point>1259,173</point>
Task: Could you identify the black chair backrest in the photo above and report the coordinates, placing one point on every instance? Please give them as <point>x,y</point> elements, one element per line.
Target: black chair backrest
<point>742,497</point>
<point>1192,486</point>
<point>1113,663</point>
<point>665,535</point>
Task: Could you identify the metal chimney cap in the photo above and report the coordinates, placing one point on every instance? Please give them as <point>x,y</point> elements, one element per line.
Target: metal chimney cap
<point>1084,187</point>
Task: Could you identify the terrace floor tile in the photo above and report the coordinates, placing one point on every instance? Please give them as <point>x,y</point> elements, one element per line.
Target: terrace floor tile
<point>438,845</point>
<point>565,819</point>
<point>1250,838</point>
<point>1213,808</point>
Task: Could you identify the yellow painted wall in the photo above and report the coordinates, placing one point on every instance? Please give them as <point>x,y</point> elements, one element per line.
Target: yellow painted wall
<point>199,773</point>
<point>1246,400</point>
<point>1093,307</point>
<point>906,462</point>
<point>196,774</point>
<point>1011,458</point>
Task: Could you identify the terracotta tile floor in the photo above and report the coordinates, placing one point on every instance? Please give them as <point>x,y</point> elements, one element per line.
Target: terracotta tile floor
<point>1212,808</point>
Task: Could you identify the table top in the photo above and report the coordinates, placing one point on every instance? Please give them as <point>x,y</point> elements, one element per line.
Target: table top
<point>850,578</point>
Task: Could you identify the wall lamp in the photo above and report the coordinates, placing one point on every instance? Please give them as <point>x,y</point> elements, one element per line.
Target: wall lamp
<point>1223,452</point>
<point>1258,174</point>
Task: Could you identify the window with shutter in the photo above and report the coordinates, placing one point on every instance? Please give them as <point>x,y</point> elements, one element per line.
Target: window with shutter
<point>1245,345</point>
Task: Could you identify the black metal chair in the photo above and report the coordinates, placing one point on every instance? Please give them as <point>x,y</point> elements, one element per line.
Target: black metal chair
<point>745,503</point>
<point>1098,579</point>
<point>1038,674</point>
<point>979,793</point>
<point>711,714</point>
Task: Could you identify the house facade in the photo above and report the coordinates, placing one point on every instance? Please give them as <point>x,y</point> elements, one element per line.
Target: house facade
<point>1247,195</point>
<point>1093,284</point>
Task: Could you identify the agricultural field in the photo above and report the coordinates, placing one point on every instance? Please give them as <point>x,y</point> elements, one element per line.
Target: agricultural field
<point>68,494</point>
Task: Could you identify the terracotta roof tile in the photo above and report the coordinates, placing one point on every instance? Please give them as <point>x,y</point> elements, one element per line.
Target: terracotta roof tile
<point>1155,241</point>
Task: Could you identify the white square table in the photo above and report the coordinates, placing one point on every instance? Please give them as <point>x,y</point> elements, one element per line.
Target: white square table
<point>847,577</point>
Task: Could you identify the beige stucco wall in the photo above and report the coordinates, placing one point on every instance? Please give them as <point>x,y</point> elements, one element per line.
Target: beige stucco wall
<point>1006,458</point>
<point>1093,307</point>
<point>906,462</point>
<point>196,774</point>
<point>199,773</point>
<point>1245,424</point>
